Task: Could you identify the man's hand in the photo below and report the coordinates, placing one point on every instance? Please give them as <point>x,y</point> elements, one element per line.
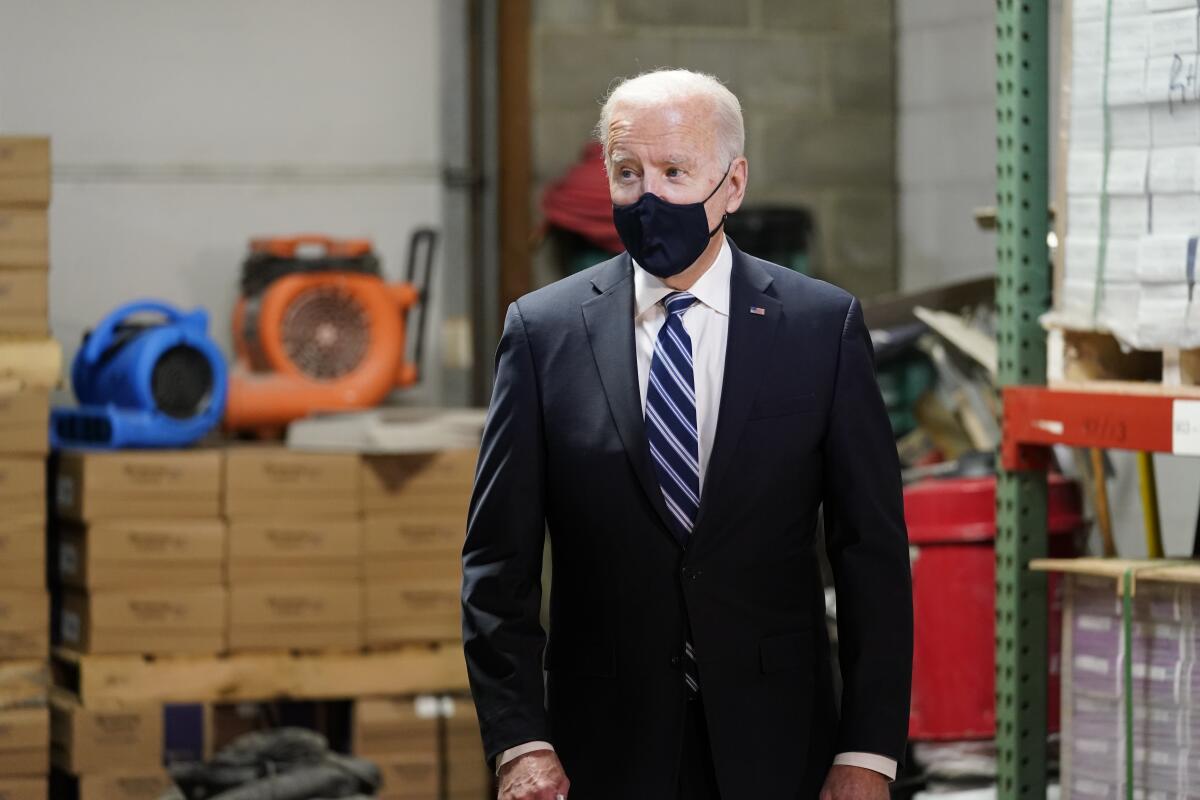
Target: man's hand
<point>534,776</point>
<point>853,783</point>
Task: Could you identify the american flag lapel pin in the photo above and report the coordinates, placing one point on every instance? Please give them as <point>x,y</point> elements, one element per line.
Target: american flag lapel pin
<point>758,310</point>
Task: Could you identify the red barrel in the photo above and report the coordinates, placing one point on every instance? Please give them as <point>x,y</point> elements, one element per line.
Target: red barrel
<point>952,530</point>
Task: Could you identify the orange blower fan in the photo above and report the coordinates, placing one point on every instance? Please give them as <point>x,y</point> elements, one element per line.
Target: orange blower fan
<point>317,329</point>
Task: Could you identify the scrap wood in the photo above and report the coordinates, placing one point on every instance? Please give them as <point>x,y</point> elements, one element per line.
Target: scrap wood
<point>973,343</point>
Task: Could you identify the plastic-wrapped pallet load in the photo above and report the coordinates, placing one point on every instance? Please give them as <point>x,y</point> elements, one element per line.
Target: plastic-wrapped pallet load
<point>1130,675</point>
<point>1133,172</point>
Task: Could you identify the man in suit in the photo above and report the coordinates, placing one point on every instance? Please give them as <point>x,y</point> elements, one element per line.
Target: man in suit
<point>676,417</point>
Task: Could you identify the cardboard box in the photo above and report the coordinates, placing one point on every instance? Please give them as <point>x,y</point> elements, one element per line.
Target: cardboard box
<point>392,725</point>
<point>25,302</point>
<point>295,551</point>
<point>24,238</point>
<point>84,741</point>
<point>402,567</point>
<point>428,482</point>
<point>22,487</point>
<point>399,612</point>
<point>123,554</point>
<point>24,742</point>
<point>23,551</point>
<point>417,533</point>
<point>466,769</point>
<point>24,789</point>
<point>139,484</point>
<point>265,481</point>
<point>24,683</point>
<point>176,620</point>
<point>291,617</point>
<point>24,632</point>
<point>24,419</point>
<point>408,776</point>
<point>31,362</point>
<point>24,171</point>
<point>144,785</point>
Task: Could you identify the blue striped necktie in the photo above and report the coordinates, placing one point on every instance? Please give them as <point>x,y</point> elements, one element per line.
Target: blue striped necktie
<point>673,434</point>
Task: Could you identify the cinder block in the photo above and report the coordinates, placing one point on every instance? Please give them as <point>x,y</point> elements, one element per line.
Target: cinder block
<point>784,73</point>
<point>575,70</point>
<point>683,12</point>
<point>559,136</point>
<point>810,16</point>
<point>930,156</point>
<point>566,12</point>
<point>814,16</point>
<point>847,151</point>
<point>862,238</point>
<point>931,13</point>
<point>946,66</point>
<point>861,73</point>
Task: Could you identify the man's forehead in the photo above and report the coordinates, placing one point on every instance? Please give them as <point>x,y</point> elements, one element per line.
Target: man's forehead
<point>669,132</point>
<point>619,154</point>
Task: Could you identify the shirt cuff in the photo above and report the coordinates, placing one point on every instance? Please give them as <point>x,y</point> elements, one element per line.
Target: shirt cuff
<point>520,750</point>
<point>882,764</point>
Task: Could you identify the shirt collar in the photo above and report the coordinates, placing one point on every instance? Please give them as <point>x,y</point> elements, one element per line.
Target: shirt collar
<point>712,288</point>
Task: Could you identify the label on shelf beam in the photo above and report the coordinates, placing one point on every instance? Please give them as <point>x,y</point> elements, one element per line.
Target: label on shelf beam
<point>1185,427</point>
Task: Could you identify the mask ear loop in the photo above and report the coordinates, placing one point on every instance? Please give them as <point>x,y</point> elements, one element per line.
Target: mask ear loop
<point>724,216</point>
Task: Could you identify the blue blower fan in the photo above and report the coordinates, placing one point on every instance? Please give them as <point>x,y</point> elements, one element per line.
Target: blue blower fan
<point>141,383</point>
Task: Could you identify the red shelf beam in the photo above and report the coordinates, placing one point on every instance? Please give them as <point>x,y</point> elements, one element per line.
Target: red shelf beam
<point>1035,417</point>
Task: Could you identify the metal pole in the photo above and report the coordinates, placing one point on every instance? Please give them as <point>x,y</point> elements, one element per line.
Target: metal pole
<point>1022,294</point>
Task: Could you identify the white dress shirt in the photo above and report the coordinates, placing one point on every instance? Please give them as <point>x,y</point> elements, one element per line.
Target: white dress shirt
<point>707,323</point>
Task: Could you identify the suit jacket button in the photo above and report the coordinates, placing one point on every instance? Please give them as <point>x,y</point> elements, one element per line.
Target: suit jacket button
<point>674,661</point>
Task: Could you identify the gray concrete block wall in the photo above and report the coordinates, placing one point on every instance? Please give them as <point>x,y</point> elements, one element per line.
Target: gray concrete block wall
<point>816,81</point>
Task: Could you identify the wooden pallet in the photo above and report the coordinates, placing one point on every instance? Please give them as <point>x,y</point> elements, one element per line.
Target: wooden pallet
<point>102,681</point>
<point>1094,361</point>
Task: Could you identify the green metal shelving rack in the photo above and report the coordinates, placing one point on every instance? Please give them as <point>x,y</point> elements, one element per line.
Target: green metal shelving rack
<point>1022,295</point>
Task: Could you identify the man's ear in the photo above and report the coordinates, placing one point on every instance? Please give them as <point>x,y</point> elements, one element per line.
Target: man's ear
<point>738,175</point>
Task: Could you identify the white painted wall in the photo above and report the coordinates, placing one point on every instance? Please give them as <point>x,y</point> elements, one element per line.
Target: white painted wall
<point>181,129</point>
<point>945,138</point>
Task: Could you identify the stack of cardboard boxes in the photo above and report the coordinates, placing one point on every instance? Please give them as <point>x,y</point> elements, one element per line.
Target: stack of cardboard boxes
<point>427,748</point>
<point>415,510</point>
<point>24,413</point>
<point>467,777</point>
<point>295,549</point>
<point>401,738</point>
<point>113,754</point>
<point>24,236</point>
<point>140,552</point>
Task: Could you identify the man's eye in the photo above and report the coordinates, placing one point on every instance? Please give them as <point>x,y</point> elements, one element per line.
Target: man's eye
<point>626,174</point>
<point>674,172</point>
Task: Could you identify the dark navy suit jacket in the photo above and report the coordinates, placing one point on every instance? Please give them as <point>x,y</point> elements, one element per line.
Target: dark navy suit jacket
<point>801,426</point>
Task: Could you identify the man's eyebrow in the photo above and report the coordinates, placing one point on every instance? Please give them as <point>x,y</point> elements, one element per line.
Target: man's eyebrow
<point>677,159</point>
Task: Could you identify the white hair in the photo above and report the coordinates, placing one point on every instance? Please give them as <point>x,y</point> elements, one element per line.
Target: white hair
<point>664,85</point>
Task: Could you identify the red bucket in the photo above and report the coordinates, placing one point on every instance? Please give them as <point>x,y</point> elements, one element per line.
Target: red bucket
<point>952,530</point>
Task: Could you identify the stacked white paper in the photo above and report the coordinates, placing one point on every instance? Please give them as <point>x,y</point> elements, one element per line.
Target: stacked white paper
<point>1136,274</point>
<point>1166,692</point>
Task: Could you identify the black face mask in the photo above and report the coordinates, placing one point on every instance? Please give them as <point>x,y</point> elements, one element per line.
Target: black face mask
<point>665,238</point>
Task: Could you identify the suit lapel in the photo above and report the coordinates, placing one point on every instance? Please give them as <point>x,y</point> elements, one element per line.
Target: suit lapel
<point>747,356</point>
<point>609,320</point>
